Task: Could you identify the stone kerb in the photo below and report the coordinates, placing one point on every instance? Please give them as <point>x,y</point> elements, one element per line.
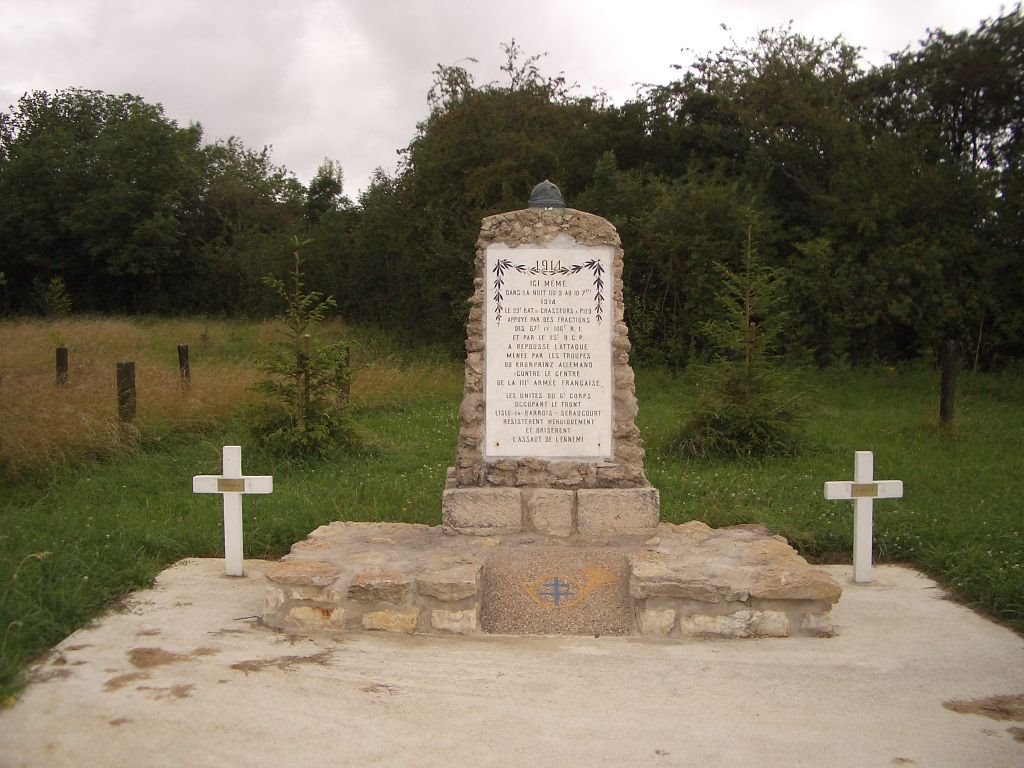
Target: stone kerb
<point>549,402</point>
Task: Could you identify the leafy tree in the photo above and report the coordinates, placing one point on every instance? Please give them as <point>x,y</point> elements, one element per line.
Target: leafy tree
<point>890,200</point>
<point>325,192</point>
<point>674,231</point>
<point>946,122</point>
<point>774,121</point>
<point>309,380</point>
<point>367,282</point>
<point>250,208</point>
<point>965,87</point>
<point>97,188</point>
<point>777,111</point>
<point>890,236</point>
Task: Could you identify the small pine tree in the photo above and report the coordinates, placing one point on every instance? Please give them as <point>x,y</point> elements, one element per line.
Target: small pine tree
<point>309,381</point>
<point>746,406</point>
<point>54,298</point>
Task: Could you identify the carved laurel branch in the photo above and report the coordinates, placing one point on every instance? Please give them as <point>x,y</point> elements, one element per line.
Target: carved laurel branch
<point>503,265</point>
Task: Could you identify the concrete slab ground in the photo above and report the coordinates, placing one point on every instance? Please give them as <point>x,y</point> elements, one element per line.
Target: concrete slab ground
<point>185,675</point>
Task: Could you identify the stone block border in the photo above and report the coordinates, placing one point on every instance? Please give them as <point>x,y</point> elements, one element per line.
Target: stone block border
<point>490,511</point>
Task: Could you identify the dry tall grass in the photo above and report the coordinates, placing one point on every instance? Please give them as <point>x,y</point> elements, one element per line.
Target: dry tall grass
<point>382,382</point>
<point>42,423</point>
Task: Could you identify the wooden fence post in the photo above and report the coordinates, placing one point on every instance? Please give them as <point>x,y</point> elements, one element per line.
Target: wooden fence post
<point>183,366</point>
<point>947,386</point>
<point>343,376</point>
<point>126,391</point>
<point>62,366</point>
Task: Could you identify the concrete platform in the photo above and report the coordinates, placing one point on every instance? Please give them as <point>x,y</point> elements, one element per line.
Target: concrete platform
<point>185,674</point>
<point>683,581</point>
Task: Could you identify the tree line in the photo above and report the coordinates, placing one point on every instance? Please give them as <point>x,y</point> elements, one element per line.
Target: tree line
<point>888,200</point>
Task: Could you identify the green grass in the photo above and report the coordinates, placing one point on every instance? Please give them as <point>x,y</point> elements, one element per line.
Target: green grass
<point>71,545</point>
<point>961,518</point>
<point>74,540</point>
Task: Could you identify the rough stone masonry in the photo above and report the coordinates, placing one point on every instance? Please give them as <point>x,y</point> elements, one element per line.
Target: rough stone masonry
<point>547,436</point>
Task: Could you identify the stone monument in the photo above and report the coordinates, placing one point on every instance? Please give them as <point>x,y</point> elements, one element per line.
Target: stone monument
<point>547,438</point>
<point>549,525</point>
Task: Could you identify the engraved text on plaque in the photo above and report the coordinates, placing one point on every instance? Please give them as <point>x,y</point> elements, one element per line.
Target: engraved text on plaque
<point>548,319</point>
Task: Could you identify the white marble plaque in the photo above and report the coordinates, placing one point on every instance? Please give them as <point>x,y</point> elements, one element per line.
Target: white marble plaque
<point>548,319</point>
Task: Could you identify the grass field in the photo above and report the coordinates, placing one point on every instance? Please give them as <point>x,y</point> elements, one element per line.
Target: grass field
<point>91,509</point>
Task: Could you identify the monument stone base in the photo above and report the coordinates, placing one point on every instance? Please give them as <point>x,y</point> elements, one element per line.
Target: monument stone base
<point>499,510</point>
<point>672,581</point>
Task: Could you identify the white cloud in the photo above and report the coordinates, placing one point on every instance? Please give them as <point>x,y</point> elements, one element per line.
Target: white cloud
<point>348,80</point>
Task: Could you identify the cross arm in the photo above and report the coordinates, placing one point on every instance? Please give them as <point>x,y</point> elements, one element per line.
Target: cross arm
<point>877,489</point>
<point>218,484</point>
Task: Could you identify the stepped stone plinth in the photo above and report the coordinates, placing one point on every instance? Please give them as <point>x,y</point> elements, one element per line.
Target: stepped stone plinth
<point>684,581</point>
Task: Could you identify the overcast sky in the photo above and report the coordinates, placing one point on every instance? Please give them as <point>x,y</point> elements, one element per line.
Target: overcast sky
<point>347,79</point>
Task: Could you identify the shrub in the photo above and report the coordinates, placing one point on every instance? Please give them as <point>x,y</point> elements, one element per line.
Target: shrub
<point>741,414</point>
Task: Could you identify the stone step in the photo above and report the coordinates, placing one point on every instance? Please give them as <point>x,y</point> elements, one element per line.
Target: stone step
<point>687,581</point>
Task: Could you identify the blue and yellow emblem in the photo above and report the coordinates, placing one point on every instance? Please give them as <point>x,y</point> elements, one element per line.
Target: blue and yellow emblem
<point>565,591</point>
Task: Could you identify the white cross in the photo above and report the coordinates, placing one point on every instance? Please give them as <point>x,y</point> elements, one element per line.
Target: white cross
<point>863,490</point>
<point>232,484</point>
